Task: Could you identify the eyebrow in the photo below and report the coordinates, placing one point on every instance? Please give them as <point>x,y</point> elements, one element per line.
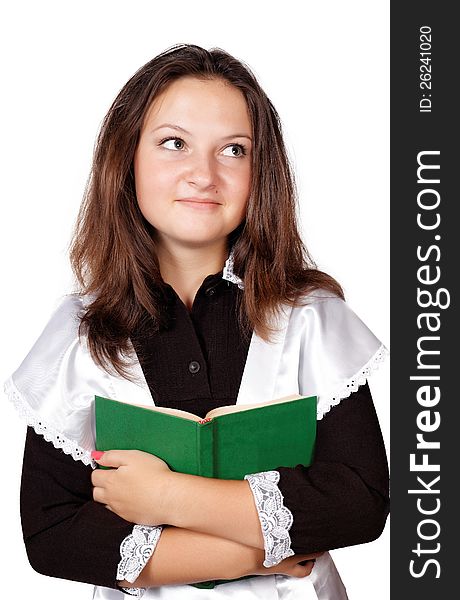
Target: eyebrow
<point>179,128</point>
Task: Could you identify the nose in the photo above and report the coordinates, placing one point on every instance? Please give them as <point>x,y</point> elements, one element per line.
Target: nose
<point>202,171</point>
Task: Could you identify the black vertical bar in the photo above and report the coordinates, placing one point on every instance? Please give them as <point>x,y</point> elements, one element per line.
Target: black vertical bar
<point>424,296</point>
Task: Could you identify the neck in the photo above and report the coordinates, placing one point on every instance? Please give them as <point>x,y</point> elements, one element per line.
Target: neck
<point>185,268</point>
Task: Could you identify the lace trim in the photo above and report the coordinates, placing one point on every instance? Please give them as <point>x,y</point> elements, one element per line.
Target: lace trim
<point>275,518</point>
<point>137,592</point>
<point>47,431</point>
<point>135,551</point>
<point>357,380</point>
<point>228,273</point>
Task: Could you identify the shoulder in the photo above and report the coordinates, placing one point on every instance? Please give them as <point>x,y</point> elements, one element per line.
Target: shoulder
<point>338,351</point>
<point>58,337</point>
<point>321,304</point>
<point>68,308</point>
<point>62,327</point>
<point>58,346</point>
<point>317,297</point>
<point>54,386</point>
<point>330,317</point>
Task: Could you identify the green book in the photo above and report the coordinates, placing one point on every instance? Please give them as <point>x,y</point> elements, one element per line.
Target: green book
<point>229,443</point>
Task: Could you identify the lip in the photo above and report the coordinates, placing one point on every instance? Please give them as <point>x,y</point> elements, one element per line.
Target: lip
<point>198,200</point>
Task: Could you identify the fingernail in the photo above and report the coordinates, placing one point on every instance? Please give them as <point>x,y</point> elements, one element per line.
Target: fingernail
<point>97,454</point>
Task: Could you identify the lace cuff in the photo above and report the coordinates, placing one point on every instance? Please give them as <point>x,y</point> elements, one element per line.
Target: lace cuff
<point>275,518</point>
<point>135,551</point>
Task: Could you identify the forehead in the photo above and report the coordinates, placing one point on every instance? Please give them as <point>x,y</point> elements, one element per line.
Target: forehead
<point>190,99</point>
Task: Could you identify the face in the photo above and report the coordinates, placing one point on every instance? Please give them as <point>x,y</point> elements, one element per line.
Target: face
<point>192,165</point>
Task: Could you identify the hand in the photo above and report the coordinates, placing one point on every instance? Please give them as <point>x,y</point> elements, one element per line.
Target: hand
<point>136,488</point>
<point>291,566</point>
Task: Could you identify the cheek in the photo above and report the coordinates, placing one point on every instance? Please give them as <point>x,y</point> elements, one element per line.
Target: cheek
<point>244,189</point>
<point>240,181</point>
<point>240,204</point>
<point>248,179</point>
<point>154,182</point>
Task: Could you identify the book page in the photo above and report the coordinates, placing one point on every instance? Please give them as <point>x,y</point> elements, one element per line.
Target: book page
<point>172,411</point>
<point>223,410</point>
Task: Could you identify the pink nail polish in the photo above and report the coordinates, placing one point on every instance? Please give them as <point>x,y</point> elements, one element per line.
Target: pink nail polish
<point>97,454</point>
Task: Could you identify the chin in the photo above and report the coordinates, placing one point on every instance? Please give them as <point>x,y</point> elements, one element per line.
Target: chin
<point>206,237</point>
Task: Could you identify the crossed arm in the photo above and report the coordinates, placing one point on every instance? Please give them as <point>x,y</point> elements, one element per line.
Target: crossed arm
<point>226,543</point>
<point>70,535</point>
<point>184,556</point>
<point>163,496</point>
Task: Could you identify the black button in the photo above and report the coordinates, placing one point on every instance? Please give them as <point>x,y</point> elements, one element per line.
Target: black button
<point>194,366</point>
<point>211,290</point>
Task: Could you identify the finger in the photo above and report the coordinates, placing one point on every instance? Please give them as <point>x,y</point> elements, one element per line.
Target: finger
<point>313,555</point>
<point>99,495</point>
<point>110,458</point>
<point>303,570</point>
<point>99,478</point>
<point>308,561</point>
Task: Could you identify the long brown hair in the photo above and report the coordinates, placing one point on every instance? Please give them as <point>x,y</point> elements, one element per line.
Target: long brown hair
<point>113,253</point>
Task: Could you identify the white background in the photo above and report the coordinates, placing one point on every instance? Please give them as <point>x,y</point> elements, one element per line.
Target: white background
<point>325,66</point>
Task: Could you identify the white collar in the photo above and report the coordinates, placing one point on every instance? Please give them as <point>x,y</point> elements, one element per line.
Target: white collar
<point>228,273</point>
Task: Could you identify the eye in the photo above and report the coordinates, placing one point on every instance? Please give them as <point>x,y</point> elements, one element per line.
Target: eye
<point>236,150</point>
<point>173,143</point>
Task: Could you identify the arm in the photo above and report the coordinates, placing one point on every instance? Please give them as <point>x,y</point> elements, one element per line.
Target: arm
<point>340,500</point>
<point>194,502</point>
<point>141,488</point>
<point>66,534</point>
<point>70,536</point>
<point>184,556</point>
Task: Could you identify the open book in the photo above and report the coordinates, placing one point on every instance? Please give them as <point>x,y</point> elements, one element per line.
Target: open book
<point>221,410</point>
<point>229,443</point>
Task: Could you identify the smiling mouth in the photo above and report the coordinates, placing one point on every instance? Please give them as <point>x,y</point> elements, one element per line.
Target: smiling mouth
<point>199,201</point>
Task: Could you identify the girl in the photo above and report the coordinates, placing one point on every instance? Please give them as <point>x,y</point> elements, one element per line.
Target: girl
<point>196,291</point>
